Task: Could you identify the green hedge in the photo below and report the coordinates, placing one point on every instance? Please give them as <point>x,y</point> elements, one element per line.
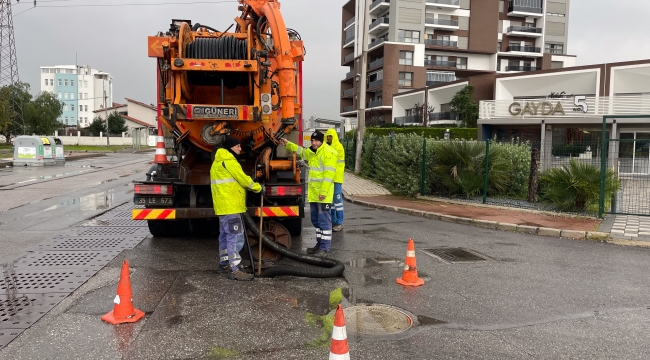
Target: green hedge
<point>435,133</point>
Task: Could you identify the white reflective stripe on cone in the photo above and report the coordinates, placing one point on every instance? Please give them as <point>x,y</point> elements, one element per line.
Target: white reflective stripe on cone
<point>160,139</point>
<point>160,151</point>
<point>338,333</point>
<point>410,253</point>
<point>345,356</point>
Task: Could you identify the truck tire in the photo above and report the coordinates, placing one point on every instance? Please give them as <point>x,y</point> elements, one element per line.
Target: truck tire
<point>294,226</point>
<point>168,228</point>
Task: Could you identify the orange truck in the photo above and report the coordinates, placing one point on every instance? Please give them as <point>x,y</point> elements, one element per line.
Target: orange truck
<point>244,81</point>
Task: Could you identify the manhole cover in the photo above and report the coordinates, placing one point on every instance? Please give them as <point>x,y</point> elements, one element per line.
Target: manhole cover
<point>455,255</point>
<point>376,320</point>
<point>67,259</point>
<point>91,243</point>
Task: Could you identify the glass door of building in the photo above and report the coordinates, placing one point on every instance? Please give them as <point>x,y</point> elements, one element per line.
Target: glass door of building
<point>634,153</point>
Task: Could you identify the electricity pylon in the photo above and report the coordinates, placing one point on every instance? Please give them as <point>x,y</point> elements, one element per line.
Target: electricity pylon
<point>9,61</point>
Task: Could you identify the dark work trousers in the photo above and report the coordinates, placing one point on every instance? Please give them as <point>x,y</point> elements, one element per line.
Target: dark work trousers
<point>321,218</point>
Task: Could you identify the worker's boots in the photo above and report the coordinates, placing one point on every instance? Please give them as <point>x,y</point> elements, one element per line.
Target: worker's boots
<point>312,250</point>
<point>240,275</point>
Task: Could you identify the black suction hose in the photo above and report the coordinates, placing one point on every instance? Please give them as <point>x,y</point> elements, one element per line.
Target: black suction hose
<point>327,268</point>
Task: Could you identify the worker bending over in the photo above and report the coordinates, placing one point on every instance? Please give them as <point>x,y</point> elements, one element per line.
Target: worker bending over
<point>321,159</point>
<point>337,206</point>
<point>229,184</point>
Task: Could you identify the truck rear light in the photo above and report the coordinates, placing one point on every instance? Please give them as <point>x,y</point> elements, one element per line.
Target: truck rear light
<point>154,189</point>
<point>283,190</point>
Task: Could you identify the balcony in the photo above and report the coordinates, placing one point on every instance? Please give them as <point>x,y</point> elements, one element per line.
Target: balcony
<point>401,120</point>
<point>349,42</point>
<point>526,31</point>
<point>528,51</point>
<point>347,109</point>
<point>375,43</point>
<point>444,4</point>
<point>376,63</point>
<point>524,11</point>
<point>440,63</point>
<point>441,43</point>
<point>442,24</point>
<point>435,116</point>
<point>374,104</point>
<point>349,75</point>
<point>348,58</point>
<point>378,25</point>
<point>375,84</point>
<point>378,6</point>
<point>522,68</point>
<point>437,82</point>
<point>348,93</point>
<point>350,22</point>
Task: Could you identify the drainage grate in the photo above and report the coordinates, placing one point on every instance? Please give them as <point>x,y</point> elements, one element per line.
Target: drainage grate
<point>115,222</point>
<point>67,259</point>
<point>377,320</point>
<point>112,231</point>
<point>92,243</point>
<point>22,311</point>
<point>36,282</point>
<point>116,214</point>
<point>455,255</point>
<point>6,336</point>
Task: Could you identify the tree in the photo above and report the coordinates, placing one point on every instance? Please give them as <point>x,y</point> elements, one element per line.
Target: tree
<point>8,125</point>
<point>422,112</point>
<point>464,105</point>
<point>116,123</point>
<point>42,114</point>
<point>97,126</point>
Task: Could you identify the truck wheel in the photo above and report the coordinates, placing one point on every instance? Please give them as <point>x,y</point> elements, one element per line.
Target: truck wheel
<point>294,226</point>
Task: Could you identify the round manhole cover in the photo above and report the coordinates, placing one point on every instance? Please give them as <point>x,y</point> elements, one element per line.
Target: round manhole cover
<point>376,320</point>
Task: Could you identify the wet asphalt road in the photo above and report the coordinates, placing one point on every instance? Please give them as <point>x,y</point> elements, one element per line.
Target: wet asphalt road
<point>539,298</point>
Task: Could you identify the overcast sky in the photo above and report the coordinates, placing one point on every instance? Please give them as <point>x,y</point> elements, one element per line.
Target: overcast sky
<point>114,39</point>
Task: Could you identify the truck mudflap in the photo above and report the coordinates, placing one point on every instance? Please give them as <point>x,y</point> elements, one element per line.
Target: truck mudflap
<point>202,213</point>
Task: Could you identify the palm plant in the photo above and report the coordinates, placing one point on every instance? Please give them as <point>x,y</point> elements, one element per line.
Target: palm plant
<point>577,187</point>
<point>460,168</point>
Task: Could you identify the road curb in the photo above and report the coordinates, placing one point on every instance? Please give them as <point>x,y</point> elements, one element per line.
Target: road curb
<point>539,231</point>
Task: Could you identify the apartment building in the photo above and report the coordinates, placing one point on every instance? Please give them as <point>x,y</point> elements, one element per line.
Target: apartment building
<point>414,44</point>
<point>81,88</point>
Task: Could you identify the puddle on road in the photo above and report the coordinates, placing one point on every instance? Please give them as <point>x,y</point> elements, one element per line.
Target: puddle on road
<point>48,177</point>
<point>98,201</point>
<point>375,262</point>
<point>368,231</point>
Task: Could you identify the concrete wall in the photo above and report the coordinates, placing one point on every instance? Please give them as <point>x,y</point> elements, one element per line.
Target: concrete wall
<point>101,141</point>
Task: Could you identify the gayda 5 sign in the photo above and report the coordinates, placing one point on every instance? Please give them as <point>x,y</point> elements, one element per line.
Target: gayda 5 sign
<point>546,108</point>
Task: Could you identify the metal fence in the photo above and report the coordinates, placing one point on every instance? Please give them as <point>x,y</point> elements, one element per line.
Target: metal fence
<point>564,176</point>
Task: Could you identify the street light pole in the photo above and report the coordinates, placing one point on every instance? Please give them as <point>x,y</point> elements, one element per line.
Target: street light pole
<point>361,114</point>
<point>108,131</point>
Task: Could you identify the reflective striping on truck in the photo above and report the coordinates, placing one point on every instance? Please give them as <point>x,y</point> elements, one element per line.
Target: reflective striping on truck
<point>279,211</point>
<point>153,214</point>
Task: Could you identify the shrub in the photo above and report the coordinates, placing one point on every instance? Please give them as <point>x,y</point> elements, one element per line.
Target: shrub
<point>518,156</point>
<point>577,187</point>
<point>435,133</point>
<point>400,167</point>
<point>460,167</point>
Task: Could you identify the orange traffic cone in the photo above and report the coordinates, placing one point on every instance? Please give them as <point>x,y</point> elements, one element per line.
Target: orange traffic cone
<point>161,154</point>
<point>410,274</point>
<point>339,348</point>
<point>123,310</point>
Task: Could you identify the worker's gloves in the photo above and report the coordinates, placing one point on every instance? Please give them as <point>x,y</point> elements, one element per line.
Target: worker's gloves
<point>302,163</point>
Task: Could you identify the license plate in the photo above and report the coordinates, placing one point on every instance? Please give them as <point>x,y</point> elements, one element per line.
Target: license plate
<point>154,201</point>
<point>219,112</point>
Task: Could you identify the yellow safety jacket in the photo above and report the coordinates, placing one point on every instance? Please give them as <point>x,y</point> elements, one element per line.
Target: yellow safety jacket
<point>229,183</point>
<point>322,169</point>
<point>340,162</point>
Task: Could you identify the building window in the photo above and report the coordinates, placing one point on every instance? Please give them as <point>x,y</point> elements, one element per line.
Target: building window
<point>46,82</point>
<point>59,94</point>
<point>406,57</point>
<point>86,84</point>
<point>65,83</point>
<point>405,79</point>
<point>499,46</point>
<point>60,82</point>
<point>554,48</point>
<point>65,107</point>
<point>66,120</point>
<point>86,96</point>
<point>408,36</point>
<point>65,95</point>
<point>86,108</point>
<point>71,82</point>
<point>461,63</point>
<point>80,96</point>
<point>71,107</point>
<point>408,112</point>
<point>71,119</point>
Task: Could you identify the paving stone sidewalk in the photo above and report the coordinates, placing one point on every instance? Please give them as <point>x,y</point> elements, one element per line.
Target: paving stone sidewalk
<point>614,228</point>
